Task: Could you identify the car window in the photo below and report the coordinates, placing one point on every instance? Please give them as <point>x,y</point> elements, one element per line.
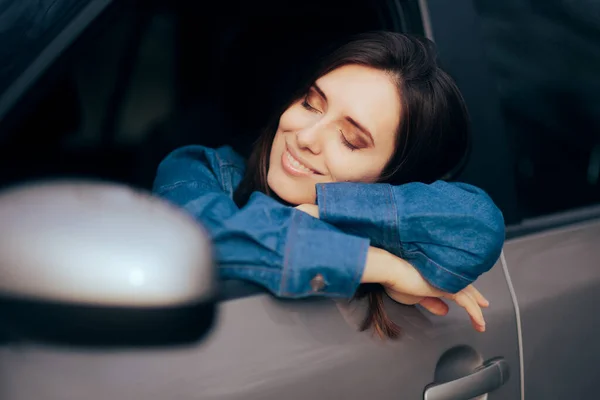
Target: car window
<point>545,57</point>
<point>27,27</point>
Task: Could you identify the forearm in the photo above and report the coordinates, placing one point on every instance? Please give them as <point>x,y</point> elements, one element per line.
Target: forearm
<point>450,232</point>
<point>311,261</point>
<point>364,209</point>
<point>276,246</point>
<point>377,266</point>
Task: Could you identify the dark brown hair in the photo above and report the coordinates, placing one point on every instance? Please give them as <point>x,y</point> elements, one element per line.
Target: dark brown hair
<point>433,138</point>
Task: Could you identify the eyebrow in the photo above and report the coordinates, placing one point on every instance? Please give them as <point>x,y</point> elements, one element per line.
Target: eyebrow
<point>349,119</point>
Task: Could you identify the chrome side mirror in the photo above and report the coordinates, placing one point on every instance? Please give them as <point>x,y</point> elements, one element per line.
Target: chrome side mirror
<point>88,263</point>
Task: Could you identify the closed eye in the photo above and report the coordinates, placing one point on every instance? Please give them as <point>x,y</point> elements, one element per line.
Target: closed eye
<point>308,106</point>
<point>347,143</point>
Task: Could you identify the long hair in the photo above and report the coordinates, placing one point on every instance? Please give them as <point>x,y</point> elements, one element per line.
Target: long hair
<point>432,142</point>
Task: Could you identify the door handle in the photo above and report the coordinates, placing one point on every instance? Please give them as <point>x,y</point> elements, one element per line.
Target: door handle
<point>486,378</point>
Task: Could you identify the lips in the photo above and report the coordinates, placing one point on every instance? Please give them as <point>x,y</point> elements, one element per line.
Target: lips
<point>297,164</point>
<point>294,167</point>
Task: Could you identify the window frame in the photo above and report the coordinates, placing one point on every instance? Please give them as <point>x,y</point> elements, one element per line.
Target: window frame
<point>454,26</point>
<point>18,94</point>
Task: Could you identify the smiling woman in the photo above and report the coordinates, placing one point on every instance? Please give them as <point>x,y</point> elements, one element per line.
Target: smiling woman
<point>360,147</point>
<point>320,138</point>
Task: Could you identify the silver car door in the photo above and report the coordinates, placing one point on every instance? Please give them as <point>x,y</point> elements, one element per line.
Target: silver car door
<point>556,276</point>
<point>263,348</point>
<point>552,115</point>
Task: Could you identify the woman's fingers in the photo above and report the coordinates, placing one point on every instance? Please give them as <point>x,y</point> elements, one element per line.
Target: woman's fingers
<point>477,323</point>
<point>482,301</point>
<point>469,298</point>
<point>467,302</point>
<point>434,305</point>
<point>405,284</point>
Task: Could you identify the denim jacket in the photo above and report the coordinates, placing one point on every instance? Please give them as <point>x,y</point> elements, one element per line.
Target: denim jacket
<point>450,232</point>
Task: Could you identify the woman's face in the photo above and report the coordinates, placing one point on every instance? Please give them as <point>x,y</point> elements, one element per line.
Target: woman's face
<point>344,129</point>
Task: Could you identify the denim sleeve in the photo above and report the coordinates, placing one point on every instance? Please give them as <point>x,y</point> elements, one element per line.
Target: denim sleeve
<point>275,246</point>
<point>451,232</point>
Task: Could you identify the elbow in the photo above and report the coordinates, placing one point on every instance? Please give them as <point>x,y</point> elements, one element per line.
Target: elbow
<point>182,165</point>
<point>491,238</point>
<point>491,229</point>
<point>166,172</point>
<point>482,239</point>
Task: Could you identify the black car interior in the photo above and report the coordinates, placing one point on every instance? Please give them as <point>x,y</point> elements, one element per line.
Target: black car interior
<point>229,72</point>
<point>72,74</point>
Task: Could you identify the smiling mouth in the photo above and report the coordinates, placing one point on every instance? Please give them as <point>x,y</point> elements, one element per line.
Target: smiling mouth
<point>295,167</point>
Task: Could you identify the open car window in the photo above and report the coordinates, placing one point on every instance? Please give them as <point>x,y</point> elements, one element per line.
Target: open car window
<point>33,35</point>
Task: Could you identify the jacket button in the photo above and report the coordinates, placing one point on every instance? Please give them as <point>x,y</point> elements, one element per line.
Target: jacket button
<point>317,283</point>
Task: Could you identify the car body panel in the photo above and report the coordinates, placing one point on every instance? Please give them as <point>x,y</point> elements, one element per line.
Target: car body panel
<point>263,348</point>
<point>556,277</point>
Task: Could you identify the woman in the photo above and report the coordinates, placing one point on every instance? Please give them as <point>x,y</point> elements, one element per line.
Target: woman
<point>343,188</point>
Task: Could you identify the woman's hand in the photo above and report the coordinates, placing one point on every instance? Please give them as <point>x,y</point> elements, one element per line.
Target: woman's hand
<point>403,283</point>
<point>469,298</point>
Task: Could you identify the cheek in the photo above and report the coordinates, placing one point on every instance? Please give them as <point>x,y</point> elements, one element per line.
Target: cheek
<point>346,166</point>
<point>276,149</point>
<point>285,121</point>
<point>295,118</point>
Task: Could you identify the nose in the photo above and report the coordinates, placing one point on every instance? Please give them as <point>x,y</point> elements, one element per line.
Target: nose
<point>310,138</point>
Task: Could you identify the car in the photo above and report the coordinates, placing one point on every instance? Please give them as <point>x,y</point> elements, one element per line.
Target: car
<point>96,92</point>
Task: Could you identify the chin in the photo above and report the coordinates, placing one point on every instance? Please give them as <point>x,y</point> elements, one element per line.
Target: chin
<point>289,190</point>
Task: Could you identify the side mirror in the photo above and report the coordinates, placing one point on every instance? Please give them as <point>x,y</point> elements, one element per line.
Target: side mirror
<point>85,263</point>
